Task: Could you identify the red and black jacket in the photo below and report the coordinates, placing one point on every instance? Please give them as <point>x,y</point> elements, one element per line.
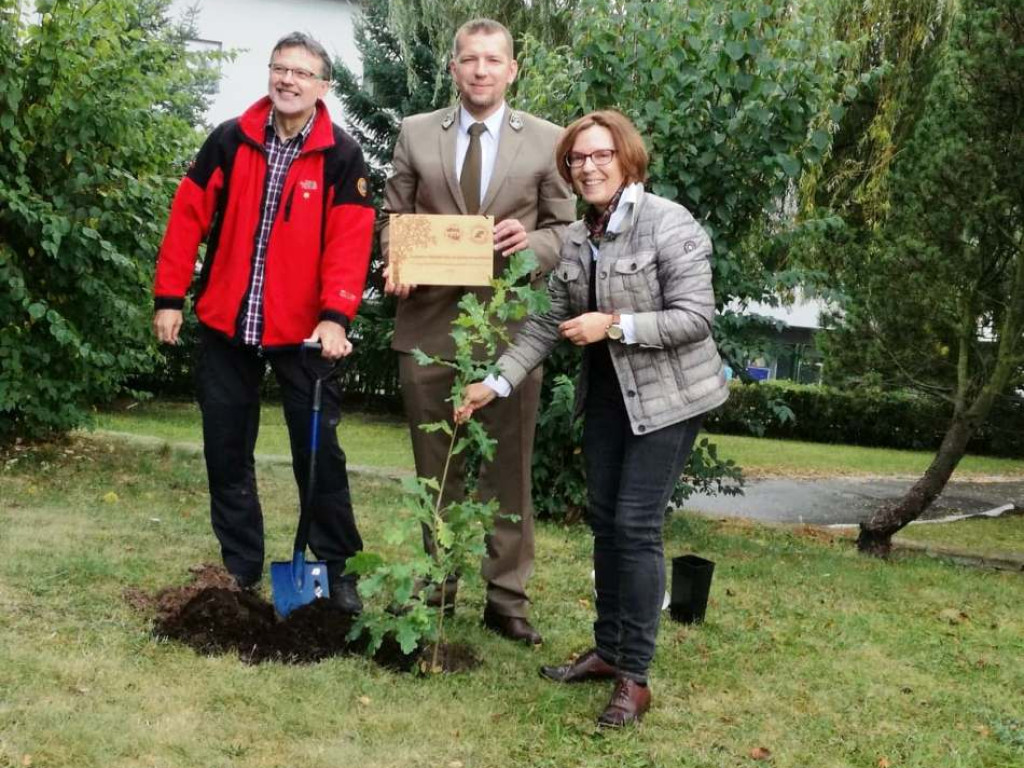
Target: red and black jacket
<point>319,248</point>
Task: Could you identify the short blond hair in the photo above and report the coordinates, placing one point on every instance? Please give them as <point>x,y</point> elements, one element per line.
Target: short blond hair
<point>485,27</point>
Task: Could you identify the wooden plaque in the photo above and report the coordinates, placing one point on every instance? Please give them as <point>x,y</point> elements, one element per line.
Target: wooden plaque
<point>430,249</point>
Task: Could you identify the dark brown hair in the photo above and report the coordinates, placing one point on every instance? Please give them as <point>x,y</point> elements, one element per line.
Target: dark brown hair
<point>629,146</point>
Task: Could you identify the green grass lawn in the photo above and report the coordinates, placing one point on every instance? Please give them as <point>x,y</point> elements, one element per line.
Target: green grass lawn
<point>812,652</point>
<point>383,441</point>
<point>368,439</point>
<point>762,456</point>
<point>982,535</point>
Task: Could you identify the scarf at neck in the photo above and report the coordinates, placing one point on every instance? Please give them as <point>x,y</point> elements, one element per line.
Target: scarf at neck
<point>597,222</point>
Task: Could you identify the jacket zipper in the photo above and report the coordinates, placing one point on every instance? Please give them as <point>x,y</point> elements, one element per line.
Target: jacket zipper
<point>288,204</point>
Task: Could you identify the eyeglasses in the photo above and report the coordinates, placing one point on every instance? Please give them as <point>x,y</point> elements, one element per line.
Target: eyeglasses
<point>599,157</point>
<point>302,75</point>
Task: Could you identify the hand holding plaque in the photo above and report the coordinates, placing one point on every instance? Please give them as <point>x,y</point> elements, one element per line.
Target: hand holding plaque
<point>428,249</point>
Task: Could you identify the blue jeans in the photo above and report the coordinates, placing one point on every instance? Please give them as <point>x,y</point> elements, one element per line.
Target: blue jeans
<point>629,482</point>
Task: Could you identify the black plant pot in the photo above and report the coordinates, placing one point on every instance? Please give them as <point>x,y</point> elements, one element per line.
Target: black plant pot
<point>691,584</point>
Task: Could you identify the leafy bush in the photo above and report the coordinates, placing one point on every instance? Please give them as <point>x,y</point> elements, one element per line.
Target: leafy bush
<point>559,481</point>
<point>731,105</point>
<point>96,104</point>
<point>863,416</point>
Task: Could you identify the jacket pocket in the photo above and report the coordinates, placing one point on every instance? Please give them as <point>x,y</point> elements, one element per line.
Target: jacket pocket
<point>636,282</point>
<point>573,281</point>
<point>636,263</point>
<point>568,271</point>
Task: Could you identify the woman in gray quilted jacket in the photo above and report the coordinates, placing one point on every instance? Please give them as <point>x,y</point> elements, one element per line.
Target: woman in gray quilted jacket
<point>633,286</point>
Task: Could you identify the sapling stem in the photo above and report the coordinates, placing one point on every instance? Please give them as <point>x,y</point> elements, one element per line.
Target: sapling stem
<point>437,524</point>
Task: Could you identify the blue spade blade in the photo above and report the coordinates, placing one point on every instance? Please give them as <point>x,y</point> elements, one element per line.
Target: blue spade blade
<point>297,583</point>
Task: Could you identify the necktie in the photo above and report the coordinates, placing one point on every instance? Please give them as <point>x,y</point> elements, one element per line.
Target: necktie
<point>471,169</point>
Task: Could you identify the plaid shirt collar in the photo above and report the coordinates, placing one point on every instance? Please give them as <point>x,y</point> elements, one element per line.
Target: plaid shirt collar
<point>280,154</point>
<point>300,137</point>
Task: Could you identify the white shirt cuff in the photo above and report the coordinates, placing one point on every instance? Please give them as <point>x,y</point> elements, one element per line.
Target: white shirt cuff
<point>628,329</point>
<point>499,384</point>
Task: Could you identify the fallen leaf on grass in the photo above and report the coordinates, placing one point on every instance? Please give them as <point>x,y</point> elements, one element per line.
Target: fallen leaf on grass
<point>455,764</point>
<point>761,753</point>
<point>364,700</point>
<point>883,762</point>
<point>110,497</point>
<point>26,760</point>
<point>953,616</point>
<point>982,730</point>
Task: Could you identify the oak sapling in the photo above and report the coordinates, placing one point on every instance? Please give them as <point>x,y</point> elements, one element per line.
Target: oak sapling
<point>396,587</point>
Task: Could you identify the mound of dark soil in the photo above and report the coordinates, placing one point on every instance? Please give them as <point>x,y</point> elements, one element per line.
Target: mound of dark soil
<point>217,620</point>
<point>213,616</point>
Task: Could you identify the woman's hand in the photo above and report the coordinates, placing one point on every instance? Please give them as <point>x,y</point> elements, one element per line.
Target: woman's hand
<point>586,329</point>
<point>475,397</point>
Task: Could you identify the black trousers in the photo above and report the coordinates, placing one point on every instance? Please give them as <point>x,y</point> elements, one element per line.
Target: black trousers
<point>629,482</point>
<point>227,383</point>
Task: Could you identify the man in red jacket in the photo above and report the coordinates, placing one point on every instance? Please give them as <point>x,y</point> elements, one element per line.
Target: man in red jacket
<point>279,195</point>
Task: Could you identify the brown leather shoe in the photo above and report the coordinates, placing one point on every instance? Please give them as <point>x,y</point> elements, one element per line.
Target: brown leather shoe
<point>629,702</point>
<point>512,627</point>
<point>589,666</point>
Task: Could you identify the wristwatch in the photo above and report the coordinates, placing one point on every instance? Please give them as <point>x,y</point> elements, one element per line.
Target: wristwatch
<point>614,330</point>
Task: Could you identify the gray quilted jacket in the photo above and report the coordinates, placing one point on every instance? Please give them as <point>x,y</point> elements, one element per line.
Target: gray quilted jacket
<point>656,269</point>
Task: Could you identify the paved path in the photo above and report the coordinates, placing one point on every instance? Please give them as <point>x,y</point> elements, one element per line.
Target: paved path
<point>850,500</point>
<point>825,501</point>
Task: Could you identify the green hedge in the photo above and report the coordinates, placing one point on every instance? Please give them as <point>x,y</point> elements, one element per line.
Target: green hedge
<point>892,419</point>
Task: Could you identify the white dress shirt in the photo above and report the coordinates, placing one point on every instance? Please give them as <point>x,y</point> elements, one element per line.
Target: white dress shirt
<point>488,145</point>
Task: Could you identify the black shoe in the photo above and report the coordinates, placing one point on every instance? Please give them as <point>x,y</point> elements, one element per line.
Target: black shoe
<point>514,628</point>
<point>345,597</point>
<point>246,583</point>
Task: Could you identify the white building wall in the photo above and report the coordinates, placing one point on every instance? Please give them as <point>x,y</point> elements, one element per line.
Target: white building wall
<point>251,27</point>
